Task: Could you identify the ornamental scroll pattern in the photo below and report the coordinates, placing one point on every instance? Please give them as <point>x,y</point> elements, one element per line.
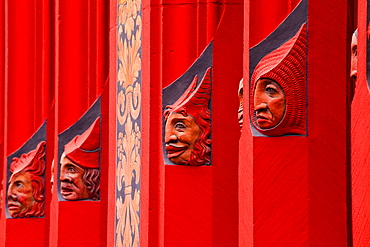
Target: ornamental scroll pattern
<point>128,123</point>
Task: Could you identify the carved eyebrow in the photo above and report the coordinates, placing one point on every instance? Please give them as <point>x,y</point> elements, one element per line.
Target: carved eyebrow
<point>182,119</point>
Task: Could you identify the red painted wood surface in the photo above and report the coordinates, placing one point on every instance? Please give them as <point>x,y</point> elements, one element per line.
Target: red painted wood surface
<point>360,138</point>
<point>299,184</point>
<point>182,205</point>
<point>25,53</point>
<point>81,72</point>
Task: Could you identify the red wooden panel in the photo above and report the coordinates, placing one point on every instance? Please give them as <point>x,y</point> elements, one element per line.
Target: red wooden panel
<point>188,206</point>
<point>275,11</point>
<point>227,72</point>
<point>328,130</point>
<point>2,119</point>
<point>24,88</point>
<point>179,40</point>
<point>360,136</point>
<point>245,177</point>
<point>81,72</point>
<point>300,183</point>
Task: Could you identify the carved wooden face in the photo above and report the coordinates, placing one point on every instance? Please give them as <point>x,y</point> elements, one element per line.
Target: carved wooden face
<point>20,197</point>
<point>269,103</point>
<point>240,110</point>
<point>180,135</point>
<point>72,186</point>
<point>354,57</point>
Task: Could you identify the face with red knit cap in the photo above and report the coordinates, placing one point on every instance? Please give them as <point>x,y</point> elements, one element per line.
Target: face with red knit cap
<point>72,185</point>
<point>79,165</point>
<point>269,103</point>
<point>278,89</point>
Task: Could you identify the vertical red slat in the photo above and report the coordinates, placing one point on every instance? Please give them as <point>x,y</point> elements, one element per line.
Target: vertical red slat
<point>227,72</point>
<point>24,100</point>
<point>361,135</point>
<point>187,190</point>
<point>179,23</point>
<point>245,176</point>
<point>77,66</point>
<point>147,233</point>
<point>152,140</point>
<point>2,120</point>
<point>328,130</point>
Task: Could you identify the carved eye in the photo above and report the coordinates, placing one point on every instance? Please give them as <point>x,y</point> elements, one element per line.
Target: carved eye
<point>180,126</point>
<point>271,90</point>
<point>72,169</point>
<point>19,185</point>
<point>354,50</point>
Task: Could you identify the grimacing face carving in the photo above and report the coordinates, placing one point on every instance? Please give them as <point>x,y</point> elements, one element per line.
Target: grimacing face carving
<point>180,135</point>
<point>20,194</point>
<point>269,103</point>
<point>72,186</point>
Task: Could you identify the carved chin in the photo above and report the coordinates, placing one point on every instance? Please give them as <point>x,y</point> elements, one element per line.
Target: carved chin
<point>70,195</point>
<point>180,157</point>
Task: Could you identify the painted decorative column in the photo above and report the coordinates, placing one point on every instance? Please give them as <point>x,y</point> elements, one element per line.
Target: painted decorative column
<point>129,83</point>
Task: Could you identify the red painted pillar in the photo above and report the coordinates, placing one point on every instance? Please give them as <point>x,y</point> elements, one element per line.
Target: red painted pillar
<point>294,188</point>
<point>81,71</point>
<point>25,56</point>
<point>181,205</point>
<point>227,72</point>
<point>360,122</point>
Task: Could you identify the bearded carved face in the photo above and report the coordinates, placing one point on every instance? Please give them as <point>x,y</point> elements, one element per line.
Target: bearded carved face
<point>20,194</point>
<point>180,135</point>
<point>72,186</point>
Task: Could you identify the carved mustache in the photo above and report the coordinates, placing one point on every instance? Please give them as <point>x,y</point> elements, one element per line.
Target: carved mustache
<point>67,184</point>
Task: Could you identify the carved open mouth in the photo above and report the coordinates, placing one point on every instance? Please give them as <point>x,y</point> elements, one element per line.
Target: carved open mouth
<point>174,151</point>
<point>66,190</point>
<point>12,206</point>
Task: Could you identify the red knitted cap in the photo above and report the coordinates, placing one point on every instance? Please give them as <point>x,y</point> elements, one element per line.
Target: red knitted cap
<point>287,66</point>
<point>84,149</point>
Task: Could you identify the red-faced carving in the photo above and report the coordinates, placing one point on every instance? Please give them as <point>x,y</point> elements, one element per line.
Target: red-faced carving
<point>188,125</point>
<point>181,134</point>
<point>269,103</point>
<point>79,165</point>
<point>278,89</point>
<point>26,185</point>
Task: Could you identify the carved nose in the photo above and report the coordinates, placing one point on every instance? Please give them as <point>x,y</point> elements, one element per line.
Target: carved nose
<point>63,176</point>
<point>13,197</point>
<point>354,73</point>
<point>260,107</point>
<point>171,138</point>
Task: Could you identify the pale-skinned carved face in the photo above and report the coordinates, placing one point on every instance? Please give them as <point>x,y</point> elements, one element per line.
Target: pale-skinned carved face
<point>20,197</point>
<point>180,135</point>
<point>72,186</point>
<point>269,103</point>
<point>354,57</point>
